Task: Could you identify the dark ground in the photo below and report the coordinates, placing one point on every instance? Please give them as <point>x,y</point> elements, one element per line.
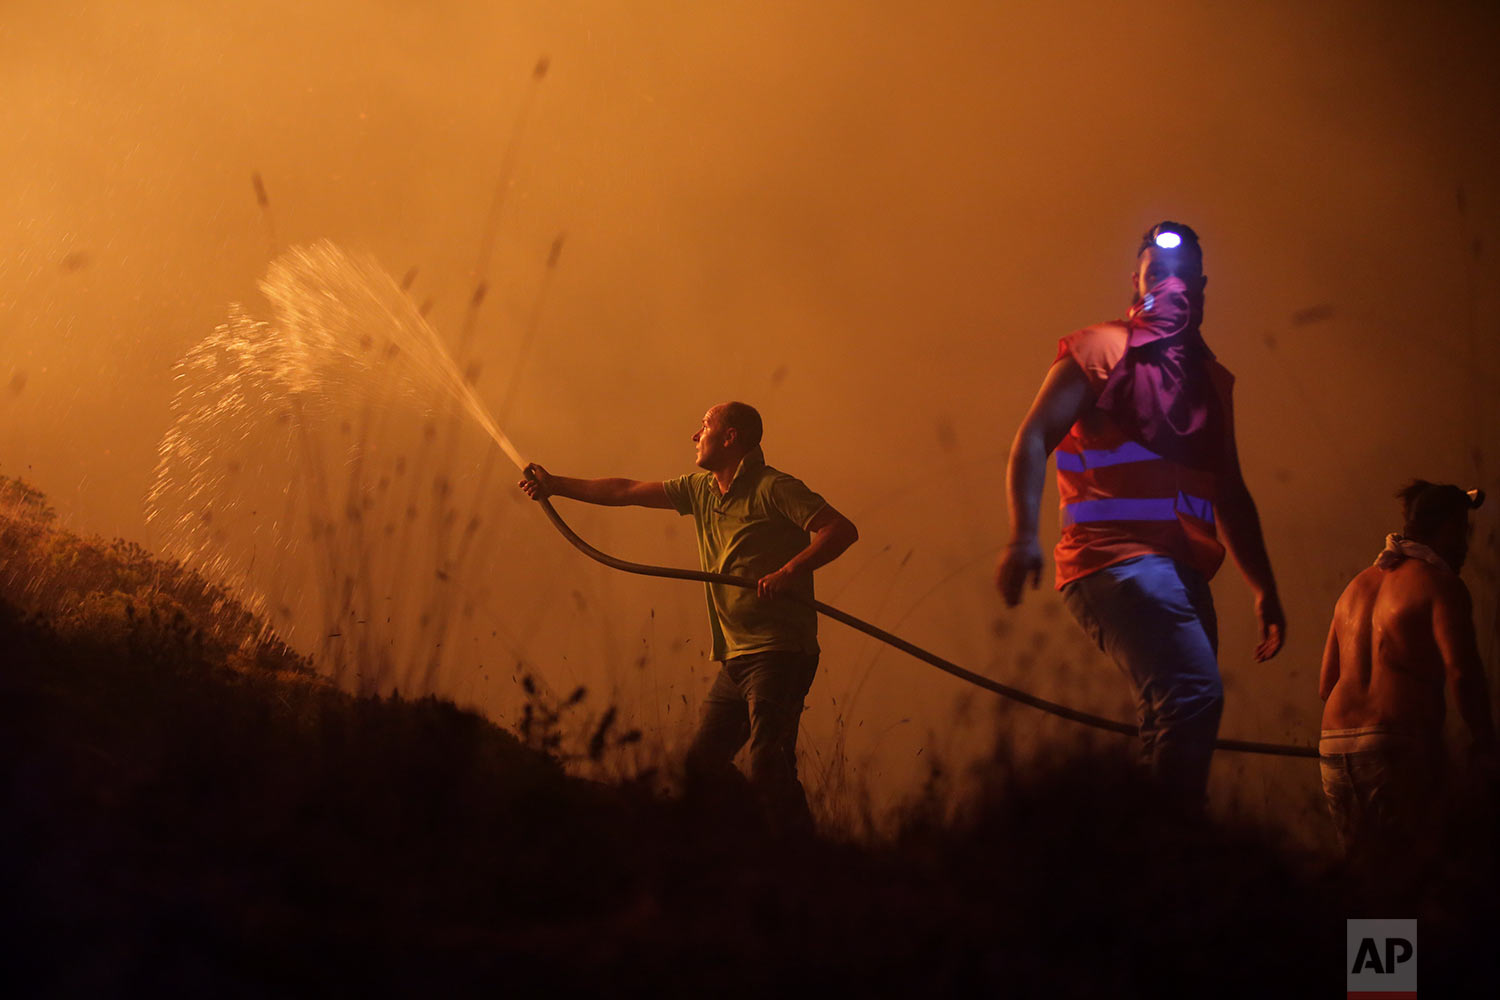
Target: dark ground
<point>185,813</point>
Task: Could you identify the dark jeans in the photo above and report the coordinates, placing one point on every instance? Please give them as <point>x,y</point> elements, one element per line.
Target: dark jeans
<point>1384,788</point>
<point>1155,618</point>
<point>757,697</point>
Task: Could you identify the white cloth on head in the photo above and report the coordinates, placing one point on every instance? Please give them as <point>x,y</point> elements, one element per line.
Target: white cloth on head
<point>1398,549</point>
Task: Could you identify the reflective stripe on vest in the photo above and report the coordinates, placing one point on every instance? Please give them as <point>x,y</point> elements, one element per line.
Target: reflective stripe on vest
<point>1119,498</point>
<point>1082,461</point>
<point>1156,509</point>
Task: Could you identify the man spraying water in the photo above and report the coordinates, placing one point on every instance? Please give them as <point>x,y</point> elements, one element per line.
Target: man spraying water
<point>756,522</point>
<point>1140,415</point>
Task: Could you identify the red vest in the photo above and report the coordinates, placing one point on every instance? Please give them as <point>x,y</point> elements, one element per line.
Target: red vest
<point>1120,500</point>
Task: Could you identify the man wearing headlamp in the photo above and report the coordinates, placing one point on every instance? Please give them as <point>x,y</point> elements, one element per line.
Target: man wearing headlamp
<point>1141,417</point>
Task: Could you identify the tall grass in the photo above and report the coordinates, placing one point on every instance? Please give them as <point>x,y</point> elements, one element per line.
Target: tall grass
<point>286,471</point>
<point>187,815</point>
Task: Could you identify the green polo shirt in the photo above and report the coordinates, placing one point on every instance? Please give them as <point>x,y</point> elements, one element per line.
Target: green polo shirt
<point>751,531</point>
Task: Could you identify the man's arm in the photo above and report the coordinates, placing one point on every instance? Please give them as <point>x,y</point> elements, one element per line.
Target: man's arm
<point>1453,628</point>
<point>1241,523</point>
<point>1329,675</point>
<point>606,492</point>
<point>1062,399</point>
<point>831,532</point>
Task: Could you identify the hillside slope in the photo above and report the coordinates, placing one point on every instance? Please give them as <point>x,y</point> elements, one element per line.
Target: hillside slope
<point>186,808</point>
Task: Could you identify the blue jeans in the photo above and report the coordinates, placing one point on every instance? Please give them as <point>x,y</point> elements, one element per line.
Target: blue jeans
<point>756,697</point>
<point>1155,618</point>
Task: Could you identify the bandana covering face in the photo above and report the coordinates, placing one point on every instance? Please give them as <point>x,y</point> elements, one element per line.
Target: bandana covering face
<point>1399,549</point>
<point>1160,392</point>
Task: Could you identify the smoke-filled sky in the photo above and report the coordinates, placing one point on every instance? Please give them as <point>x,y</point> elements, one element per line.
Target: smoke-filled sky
<point>871,220</point>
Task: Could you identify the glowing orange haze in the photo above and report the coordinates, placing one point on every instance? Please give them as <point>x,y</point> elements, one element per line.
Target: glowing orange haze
<point>872,221</point>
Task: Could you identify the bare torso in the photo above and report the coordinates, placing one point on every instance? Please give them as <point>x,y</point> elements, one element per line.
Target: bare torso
<point>1382,660</point>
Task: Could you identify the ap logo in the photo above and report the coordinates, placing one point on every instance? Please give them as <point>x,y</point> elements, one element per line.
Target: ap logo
<point>1380,962</point>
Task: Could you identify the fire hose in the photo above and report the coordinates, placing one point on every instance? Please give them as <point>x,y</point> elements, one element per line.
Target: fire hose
<point>911,649</point>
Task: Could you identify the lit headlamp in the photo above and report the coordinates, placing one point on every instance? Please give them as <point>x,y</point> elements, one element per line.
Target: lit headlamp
<point>1168,240</point>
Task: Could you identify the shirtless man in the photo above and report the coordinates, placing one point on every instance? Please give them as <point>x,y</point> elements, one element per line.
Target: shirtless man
<point>1398,630</point>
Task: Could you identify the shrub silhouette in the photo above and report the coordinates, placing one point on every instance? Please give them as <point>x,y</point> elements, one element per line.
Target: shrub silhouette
<point>189,809</point>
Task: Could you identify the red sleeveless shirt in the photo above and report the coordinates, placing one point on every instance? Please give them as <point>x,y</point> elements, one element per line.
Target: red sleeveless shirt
<point>1119,499</point>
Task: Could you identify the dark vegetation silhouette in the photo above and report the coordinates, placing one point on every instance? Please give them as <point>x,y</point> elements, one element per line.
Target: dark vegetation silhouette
<point>190,809</point>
